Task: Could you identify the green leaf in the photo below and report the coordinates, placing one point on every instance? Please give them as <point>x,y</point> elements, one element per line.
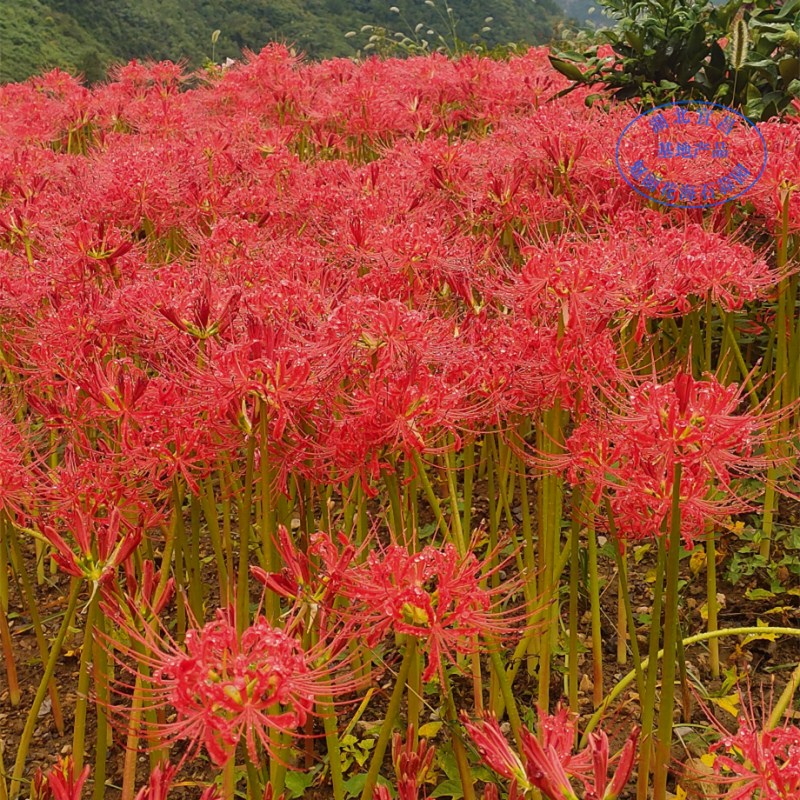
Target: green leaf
<point>634,39</point>
<point>430,729</point>
<point>298,782</point>
<point>567,69</point>
<point>754,637</point>
<point>758,594</point>
<point>448,788</point>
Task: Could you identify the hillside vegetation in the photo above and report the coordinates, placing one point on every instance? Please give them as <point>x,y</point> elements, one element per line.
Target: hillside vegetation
<point>87,36</point>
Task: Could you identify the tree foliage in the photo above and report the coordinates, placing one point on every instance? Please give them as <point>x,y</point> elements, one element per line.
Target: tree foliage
<point>88,35</point>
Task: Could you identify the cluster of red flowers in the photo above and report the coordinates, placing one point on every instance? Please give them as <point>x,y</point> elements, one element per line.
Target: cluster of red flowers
<point>632,453</point>
<point>314,278</point>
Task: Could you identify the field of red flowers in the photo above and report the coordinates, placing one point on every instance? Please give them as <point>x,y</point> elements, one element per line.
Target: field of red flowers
<point>365,434</point>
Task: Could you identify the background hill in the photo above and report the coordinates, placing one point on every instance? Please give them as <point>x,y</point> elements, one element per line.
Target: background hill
<point>88,35</point>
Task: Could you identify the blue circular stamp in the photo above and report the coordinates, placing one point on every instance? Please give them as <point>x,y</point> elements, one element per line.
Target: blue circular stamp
<point>691,154</point>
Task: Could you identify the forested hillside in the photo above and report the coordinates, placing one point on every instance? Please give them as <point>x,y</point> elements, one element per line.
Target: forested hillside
<point>88,35</point>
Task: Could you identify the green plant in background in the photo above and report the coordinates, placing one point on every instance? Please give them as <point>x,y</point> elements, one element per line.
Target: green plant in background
<point>742,55</point>
<point>443,36</point>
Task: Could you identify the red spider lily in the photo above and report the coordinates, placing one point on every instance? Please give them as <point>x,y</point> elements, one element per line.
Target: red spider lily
<point>549,762</point>
<point>632,453</point>
<point>226,688</point>
<point>103,543</point>
<point>60,783</point>
<point>757,762</point>
<point>311,580</point>
<point>200,325</point>
<point>159,782</point>
<point>435,595</point>
<point>15,476</point>
<point>411,764</point>
<point>141,589</point>
<point>494,749</point>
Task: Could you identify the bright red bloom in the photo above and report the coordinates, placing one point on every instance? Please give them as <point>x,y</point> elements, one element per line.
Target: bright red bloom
<point>159,783</point>
<point>758,762</point>
<point>226,688</point>
<point>549,761</point>
<point>632,453</point>
<point>60,783</point>
<point>102,545</point>
<point>310,579</point>
<point>435,595</point>
<point>411,764</point>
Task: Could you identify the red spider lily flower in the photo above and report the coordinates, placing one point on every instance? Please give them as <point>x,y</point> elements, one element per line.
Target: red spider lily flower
<point>60,783</point>
<point>226,688</point>
<point>103,543</point>
<point>159,782</point>
<point>632,454</point>
<point>549,762</point>
<point>141,589</point>
<point>310,579</point>
<point>494,749</point>
<point>435,595</point>
<point>15,476</point>
<point>411,764</point>
<point>603,789</point>
<point>269,793</point>
<point>545,771</point>
<point>200,325</point>
<point>757,762</point>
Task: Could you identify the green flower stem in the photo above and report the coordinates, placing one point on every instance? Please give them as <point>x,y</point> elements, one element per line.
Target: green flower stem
<point>194,570</point>
<point>101,736</point>
<point>33,610</point>
<point>649,697</point>
<point>269,552</point>
<point>626,597</point>
<point>395,504</point>
<point>392,713</point>
<point>574,575</point>
<point>460,754</point>
<point>667,705</point>
<point>458,531</point>
<point>255,785</point>
<point>594,600</point>
<point>469,481</point>
<point>733,347</point>
<point>529,556</point>
<point>212,520</point>
<point>278,766</point>
<point>622,620</point>
<point>3,564</point>
<point>3,773</point>
<point>81,704</point>
<point>229,778</point>
<point>508,695</point>
<point>706,636</point>
<point>8,655</point>
<point>33,714</point>
<point>711,597</point>
<point>132,742</point>
<point>683,674</point>
<point>181,556</point>
<point>242,578</point>
<point>414,698</point>
<point>431,495</point>
<point>332,743</point>
<point>783,701</point>
<point>780,389</point>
